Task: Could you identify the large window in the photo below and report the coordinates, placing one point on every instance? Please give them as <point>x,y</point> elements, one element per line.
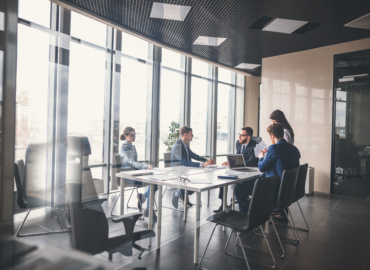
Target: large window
<point>172,94</point>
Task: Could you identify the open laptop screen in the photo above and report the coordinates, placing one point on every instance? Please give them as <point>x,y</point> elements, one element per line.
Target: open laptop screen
<point>236,161</point>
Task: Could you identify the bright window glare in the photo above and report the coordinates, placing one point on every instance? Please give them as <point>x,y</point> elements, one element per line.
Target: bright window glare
<point>225,75</point>
<point>36,11</point>
<point>173,59</point>
<point>200,68</point>
<point>223,118</point>
<point>88,29</point>
<point>135,47</point>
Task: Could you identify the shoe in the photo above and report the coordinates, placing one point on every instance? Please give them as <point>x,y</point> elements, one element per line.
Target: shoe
<point>280,217</point>
<point>146,214</point>
<point>218,210</point>
<point>175,199</point>
<point>140,200</point>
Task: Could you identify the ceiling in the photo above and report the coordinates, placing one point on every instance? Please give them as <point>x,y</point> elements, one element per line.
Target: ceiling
<point>235,20</point>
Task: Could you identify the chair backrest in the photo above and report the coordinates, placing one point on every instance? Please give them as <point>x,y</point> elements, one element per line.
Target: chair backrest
<point>116,168</point>
<point>167,159</point>
<point>300,183</point>
<point>19,177</point>
<point>78,151</point>
<point>286,191</point>
<point>261,203</point>
<point>89,227</point>
<point>36,186</point>
<point>256,139</point>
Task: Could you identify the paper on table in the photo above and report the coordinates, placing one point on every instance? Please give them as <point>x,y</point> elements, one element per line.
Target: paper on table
<point>200,179</point>
<point>261,145</point>
<point>162,177</point>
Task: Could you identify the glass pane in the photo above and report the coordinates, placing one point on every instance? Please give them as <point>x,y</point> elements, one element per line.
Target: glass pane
<point>32,89</point>
<point>135,110</point>
<point>223,108</point>
<point>135,47</point>
<point>172,59</point>
<point>199,114</point>
<point>88,29</point>
<point>36,11</point>
<point>201,68</point>
<point>86,97</point>
<point>171,104</point>
<point>225,75</point>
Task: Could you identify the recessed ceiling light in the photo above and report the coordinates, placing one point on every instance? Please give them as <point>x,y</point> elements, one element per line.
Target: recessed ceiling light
<point>362,22</point>
<point>209,41</point>
<point>169,12</point>
<point>284,26</point>
<point>247,66</point>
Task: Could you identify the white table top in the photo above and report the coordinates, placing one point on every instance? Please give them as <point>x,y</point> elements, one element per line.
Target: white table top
<point>208,176</point>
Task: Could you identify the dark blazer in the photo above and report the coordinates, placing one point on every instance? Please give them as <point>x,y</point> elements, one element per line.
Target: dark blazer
<point>179,156</point>
<point>279,157</point>
<point>249,157</point>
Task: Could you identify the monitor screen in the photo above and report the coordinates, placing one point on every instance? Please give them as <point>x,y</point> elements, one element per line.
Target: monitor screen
<point>235,161</point>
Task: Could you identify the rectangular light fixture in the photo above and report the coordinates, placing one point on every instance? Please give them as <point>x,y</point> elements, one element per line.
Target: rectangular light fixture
<point>247,66</point>
<point>284,26</point>
<point>169,11</point>
<point>209,41</point>
<point>2,21</point>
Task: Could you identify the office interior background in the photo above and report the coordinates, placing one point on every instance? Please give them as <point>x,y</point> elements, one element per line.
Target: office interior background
<point>77,73</point>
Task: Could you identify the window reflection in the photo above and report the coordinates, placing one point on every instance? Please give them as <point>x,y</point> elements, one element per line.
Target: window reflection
<point>36,11</point>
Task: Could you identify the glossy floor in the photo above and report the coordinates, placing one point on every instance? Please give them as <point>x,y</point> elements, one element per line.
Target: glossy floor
<point>339,237</point>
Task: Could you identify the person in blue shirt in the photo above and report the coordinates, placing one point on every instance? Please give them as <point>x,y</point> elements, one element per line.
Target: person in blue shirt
<point>278,157</point>
<point>182,155</point>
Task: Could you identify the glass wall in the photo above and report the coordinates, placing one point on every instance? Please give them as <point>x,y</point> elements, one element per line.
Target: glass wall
<point>351,126</point>
<point>81,77</point>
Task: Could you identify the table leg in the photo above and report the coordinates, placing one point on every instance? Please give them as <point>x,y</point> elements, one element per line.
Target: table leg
<point>209,194</point>
<point>197,228</point>
<point>224,203</point>
<point>151,202</point>
<point>122,207</point>
<point>233,202</point>
<point>185,205</point>
<point>159,215</point>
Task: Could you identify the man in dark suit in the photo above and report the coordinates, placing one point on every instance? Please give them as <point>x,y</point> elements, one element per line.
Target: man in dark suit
<point>244,146</point>
<point>182,155</point>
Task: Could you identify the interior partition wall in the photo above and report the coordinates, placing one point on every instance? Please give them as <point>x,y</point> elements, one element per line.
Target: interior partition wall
<point>78,76</point>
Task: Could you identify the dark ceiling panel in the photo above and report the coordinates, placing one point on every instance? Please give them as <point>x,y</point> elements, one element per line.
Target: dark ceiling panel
<point>233,20</point>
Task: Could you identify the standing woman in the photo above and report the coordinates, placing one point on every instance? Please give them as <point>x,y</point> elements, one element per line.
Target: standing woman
<point>278,116</point>
<point>129,159</point>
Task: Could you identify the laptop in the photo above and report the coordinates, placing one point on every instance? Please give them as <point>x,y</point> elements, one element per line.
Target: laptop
<point>236,162</point>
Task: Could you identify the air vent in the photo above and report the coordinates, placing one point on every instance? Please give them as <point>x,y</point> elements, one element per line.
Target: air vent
<point>362,22</point>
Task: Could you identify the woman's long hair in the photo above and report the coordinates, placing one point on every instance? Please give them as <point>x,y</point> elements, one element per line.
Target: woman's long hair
<point>279,117</point>
<point>126,132</point>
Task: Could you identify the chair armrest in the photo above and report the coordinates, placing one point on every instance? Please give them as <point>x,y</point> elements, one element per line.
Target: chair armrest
<point>127,216</point>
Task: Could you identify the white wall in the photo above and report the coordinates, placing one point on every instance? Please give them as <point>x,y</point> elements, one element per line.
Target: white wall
<point>301,85</point>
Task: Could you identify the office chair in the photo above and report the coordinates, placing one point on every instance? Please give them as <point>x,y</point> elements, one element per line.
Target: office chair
<point>32,187</point>
<point>299,192</point>
<point>285,199</point>
<point>256,139</point>
<point>259,213</point>
<point>90,228</point>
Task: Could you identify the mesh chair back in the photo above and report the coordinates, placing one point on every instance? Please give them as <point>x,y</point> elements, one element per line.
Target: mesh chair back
<point>89,227</point>
<point>256,139</point>
<point>286,192</point>
<point>300,183</point>
<point>261,203</point>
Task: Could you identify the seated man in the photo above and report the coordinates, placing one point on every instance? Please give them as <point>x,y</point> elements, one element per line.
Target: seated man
<point>244,146</point>
<point>279,156</point>
<point>182,155</point>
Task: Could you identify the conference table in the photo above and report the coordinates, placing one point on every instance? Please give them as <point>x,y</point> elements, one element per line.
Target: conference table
<point>199,180</point>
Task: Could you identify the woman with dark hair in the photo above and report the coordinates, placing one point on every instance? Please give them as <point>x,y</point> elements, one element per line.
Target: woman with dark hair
<point>278,116</point>
<point>129,160</point>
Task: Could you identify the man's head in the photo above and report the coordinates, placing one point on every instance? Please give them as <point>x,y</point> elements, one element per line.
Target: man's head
<point>245,135</point>
<point>276,132</point>
<point>186,134</point>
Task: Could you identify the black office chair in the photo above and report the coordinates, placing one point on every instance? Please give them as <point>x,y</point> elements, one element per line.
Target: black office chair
<point>285,199</point>
<point>90,228</point>
<point>259,213</point>
<point>299,190</point>
<point>32,188</point>
<point>256,139</point>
